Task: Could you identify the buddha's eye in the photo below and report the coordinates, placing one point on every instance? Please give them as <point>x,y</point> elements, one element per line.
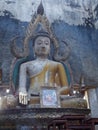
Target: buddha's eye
<point>39,43</point>
<point>46,43</point>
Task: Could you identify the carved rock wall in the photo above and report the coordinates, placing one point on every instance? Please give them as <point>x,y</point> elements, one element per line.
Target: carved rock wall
<point>72,12</point>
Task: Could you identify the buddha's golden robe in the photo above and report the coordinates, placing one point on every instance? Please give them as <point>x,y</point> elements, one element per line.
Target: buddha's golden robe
<point>42,73</point>
<point>48,73</point>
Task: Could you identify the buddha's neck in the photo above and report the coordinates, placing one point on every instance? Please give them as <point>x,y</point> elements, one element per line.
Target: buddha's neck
<point>42,58</point>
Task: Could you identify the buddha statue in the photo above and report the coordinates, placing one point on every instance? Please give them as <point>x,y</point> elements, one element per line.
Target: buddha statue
<point>41,71</point>
<point>44,72</point>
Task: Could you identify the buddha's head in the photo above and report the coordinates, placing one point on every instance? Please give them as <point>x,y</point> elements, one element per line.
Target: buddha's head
<point>41,44</point>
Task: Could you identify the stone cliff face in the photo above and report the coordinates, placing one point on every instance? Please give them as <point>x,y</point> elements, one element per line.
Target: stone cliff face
<point>73,21</point>
<point>72,12</point>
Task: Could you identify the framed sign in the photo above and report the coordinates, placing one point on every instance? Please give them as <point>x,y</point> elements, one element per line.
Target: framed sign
<point>49,97</point>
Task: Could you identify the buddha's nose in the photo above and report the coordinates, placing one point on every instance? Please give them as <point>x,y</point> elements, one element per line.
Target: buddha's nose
<point>43,45</point>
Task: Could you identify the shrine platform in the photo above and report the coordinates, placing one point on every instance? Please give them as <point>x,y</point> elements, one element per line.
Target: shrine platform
<point>31,116</point>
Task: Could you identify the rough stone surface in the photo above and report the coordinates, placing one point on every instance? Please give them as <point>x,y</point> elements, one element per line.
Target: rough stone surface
<point>72,12</point>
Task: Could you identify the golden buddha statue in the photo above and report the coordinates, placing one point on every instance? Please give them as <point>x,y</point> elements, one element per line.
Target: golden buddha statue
<point>44,72</point>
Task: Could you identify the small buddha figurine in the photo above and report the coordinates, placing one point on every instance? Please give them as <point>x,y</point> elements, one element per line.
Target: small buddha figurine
<point>44,72</point>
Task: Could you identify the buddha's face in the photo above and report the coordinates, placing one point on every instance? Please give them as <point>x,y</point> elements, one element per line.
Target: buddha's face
<point>42,46</point>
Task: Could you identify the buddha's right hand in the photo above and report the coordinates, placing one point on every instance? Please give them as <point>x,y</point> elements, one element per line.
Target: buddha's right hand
<point>23,98</point>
